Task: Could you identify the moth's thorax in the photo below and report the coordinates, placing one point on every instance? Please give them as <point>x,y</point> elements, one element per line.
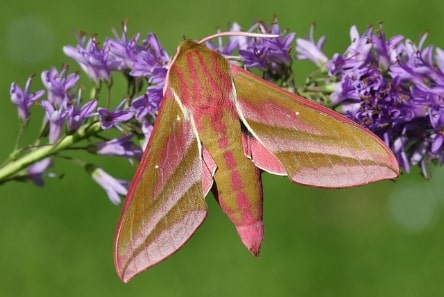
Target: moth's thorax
<point>200,78</point>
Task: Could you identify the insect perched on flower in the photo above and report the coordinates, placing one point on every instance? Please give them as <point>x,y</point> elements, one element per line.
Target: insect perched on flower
<point>218,127</point>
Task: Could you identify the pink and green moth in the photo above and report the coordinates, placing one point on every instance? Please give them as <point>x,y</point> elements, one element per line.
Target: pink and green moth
<point>218,127</point>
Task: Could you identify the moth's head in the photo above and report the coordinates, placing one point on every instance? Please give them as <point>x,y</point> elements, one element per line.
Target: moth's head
<point>191,45</point>
<point>187,45</point>
<point>183,48</point>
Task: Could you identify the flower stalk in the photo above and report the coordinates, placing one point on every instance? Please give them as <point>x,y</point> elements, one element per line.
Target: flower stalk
<point>14,167</point>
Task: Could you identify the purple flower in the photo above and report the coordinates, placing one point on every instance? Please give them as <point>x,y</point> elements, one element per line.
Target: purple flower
<point>37,170</point>
<point>271,55</point>
<point>147,129</point>
<point>23,99</point>
<point>78,114</point>
<point>151,62</point>
<point>311,50</point>
<point>95,61</point>
<point>121,146</point>
<point>109,119</point>
<point>154,91</point>
<point>268,54</point>
<point>123,49</point>
<point>56,118</point>
<point>150,58</point>
<point>147,104</point>
<point>387,50</point>
<point>436,116</point>
<point>233,43</point>
<point>57,84</point>
<point>112,186</point>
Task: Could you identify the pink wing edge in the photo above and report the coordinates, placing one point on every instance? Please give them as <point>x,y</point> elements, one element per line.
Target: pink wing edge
<point>208,169</point>
<point>265,159</point>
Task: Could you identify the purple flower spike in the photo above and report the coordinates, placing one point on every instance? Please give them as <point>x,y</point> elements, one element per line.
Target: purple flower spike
<point>58,84</point>
<point>396,89</point>
<point>112,186</point>
<point>23,99</point>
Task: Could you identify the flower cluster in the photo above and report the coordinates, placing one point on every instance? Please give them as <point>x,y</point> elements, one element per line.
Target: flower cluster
<point>389,85</point>
<point>68,113</point>
<point>71,118</point>
<point>272,56</point>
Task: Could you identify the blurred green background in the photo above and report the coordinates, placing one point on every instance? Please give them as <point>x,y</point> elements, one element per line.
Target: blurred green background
<point>385,239</point>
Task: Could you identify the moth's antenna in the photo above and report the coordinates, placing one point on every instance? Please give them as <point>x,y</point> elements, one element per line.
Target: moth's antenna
<point>239,33</point>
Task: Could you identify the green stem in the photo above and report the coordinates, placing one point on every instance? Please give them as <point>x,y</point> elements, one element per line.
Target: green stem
<point>14,167</point>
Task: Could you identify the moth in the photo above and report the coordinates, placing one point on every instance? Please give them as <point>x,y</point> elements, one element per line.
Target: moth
<point>218,127</point>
